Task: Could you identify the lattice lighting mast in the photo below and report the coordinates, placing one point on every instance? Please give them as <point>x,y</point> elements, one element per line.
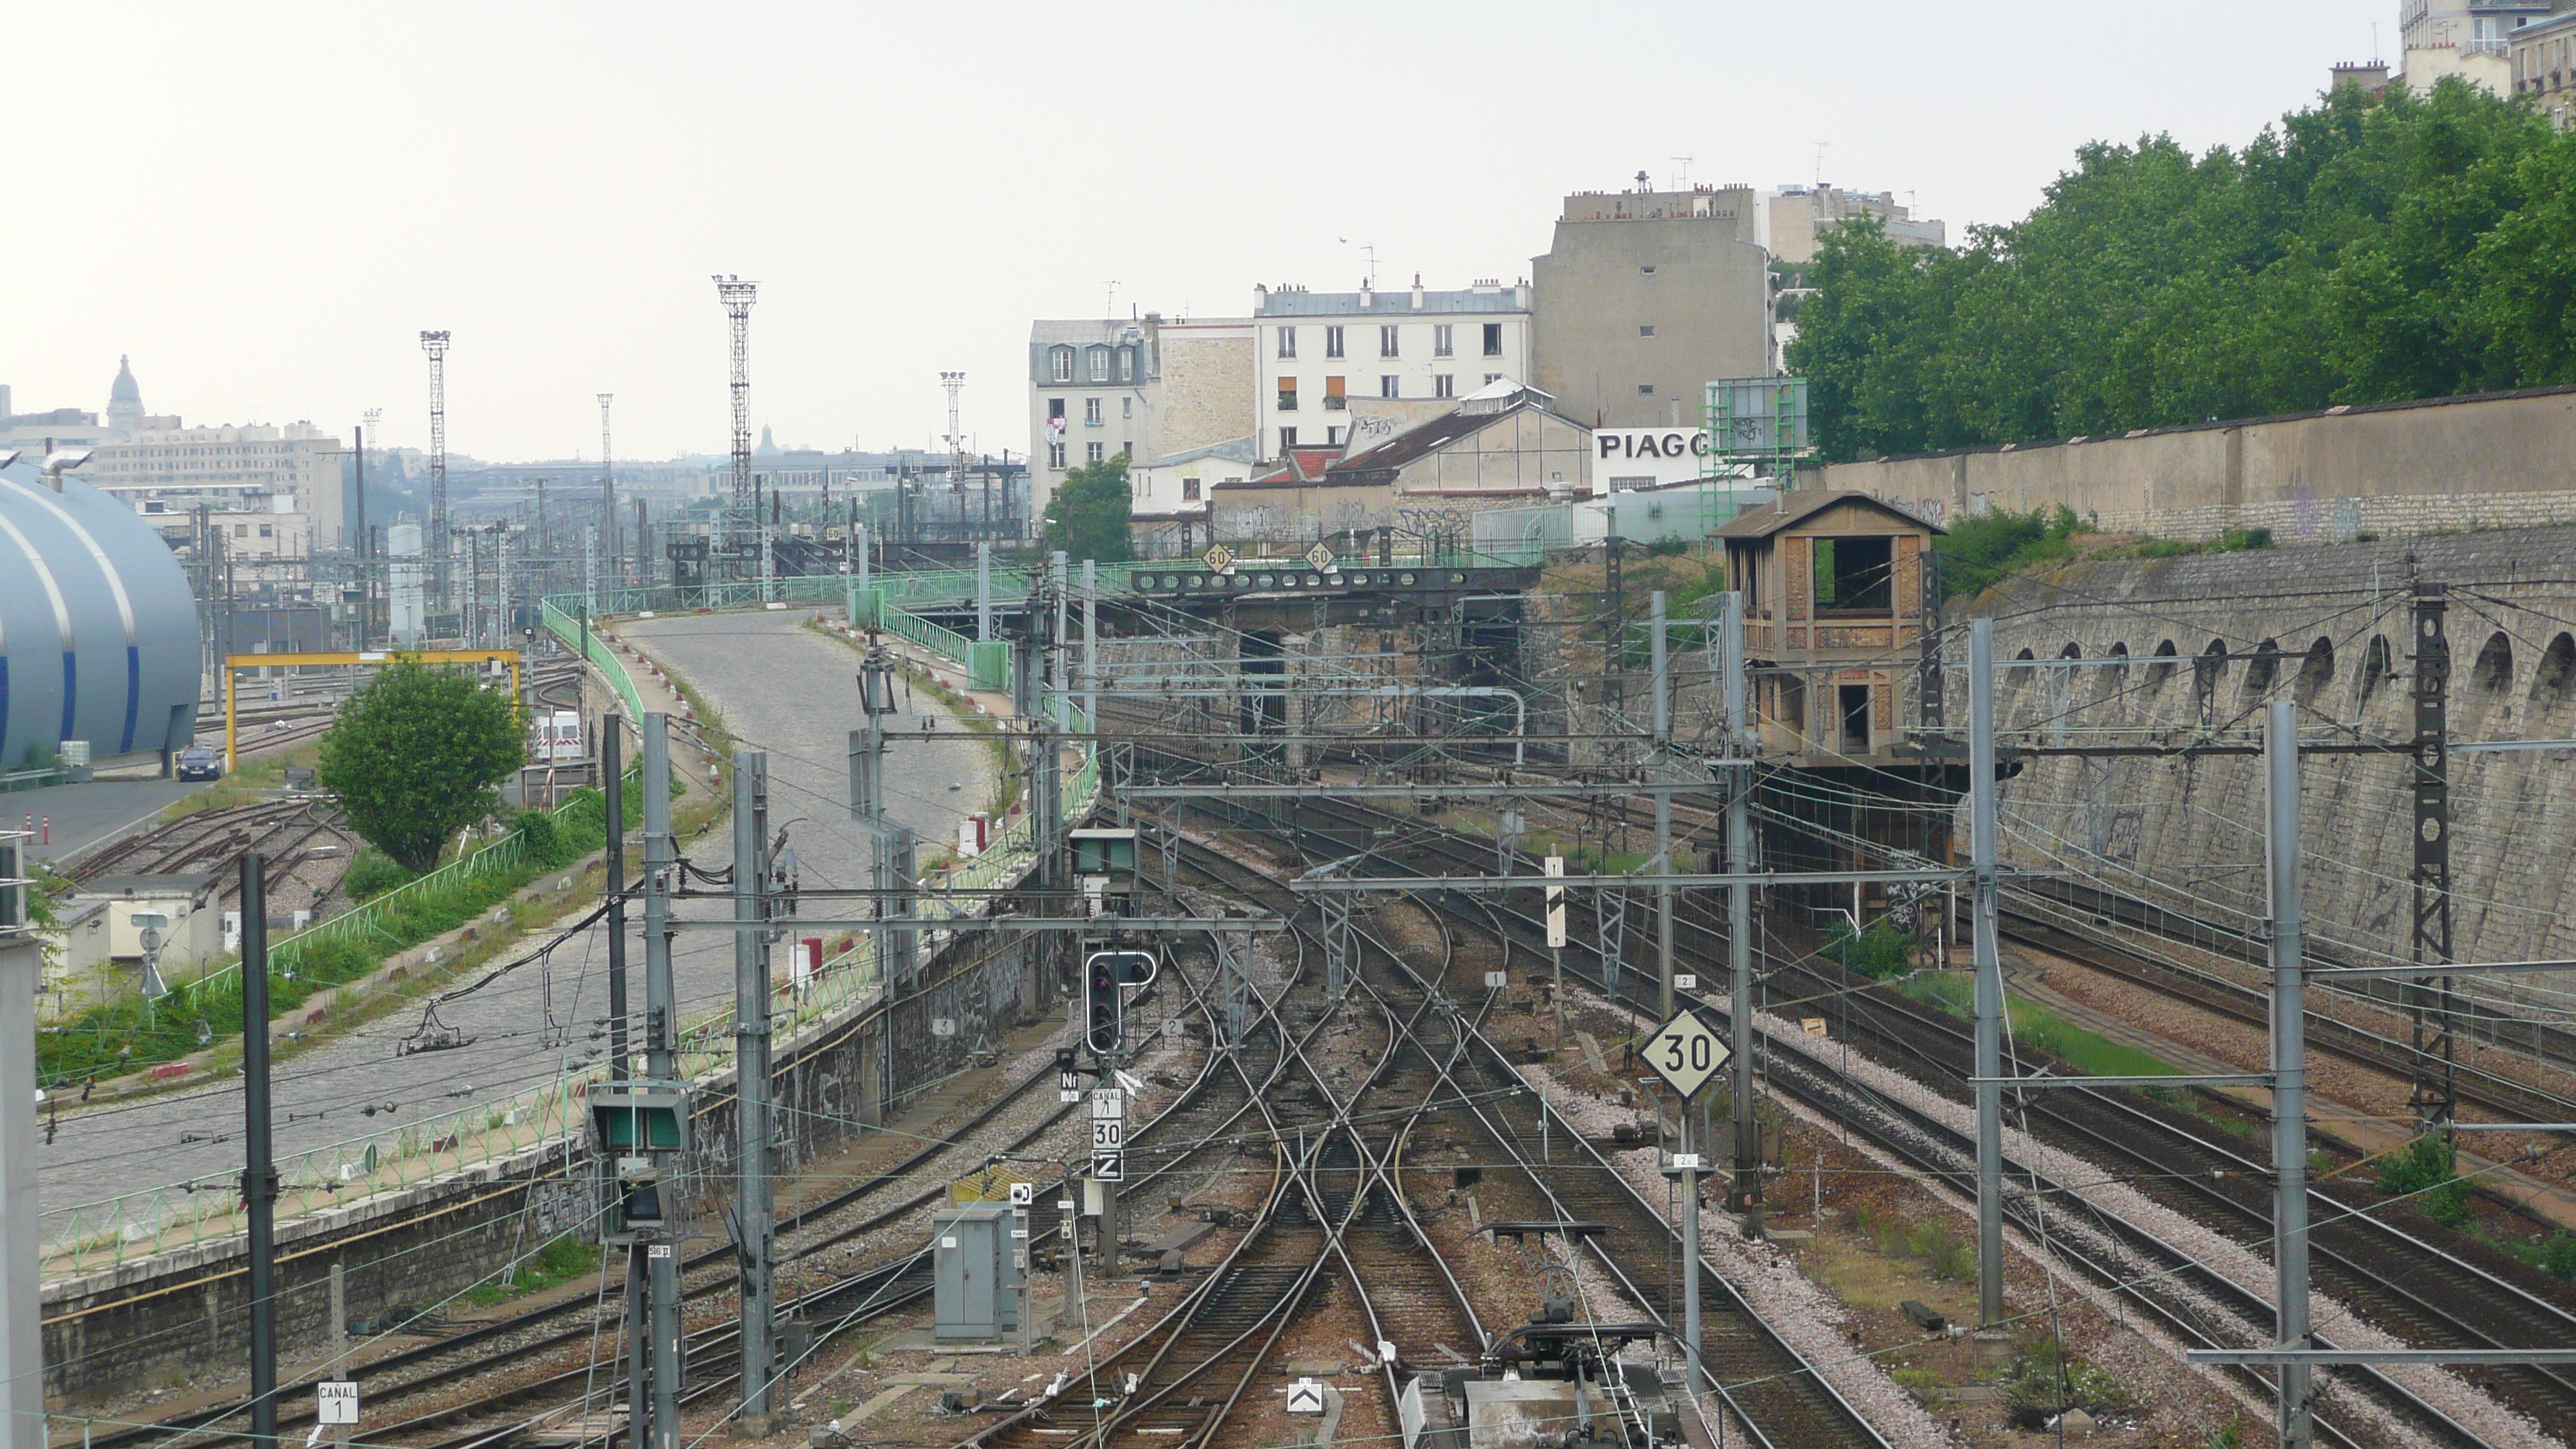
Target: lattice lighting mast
<point>955,383</point>
<point>435,344</point>
<point>737,296</point>
<point>608,497</point>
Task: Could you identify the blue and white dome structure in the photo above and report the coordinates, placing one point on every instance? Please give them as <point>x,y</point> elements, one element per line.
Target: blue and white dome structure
<point>98,632</point>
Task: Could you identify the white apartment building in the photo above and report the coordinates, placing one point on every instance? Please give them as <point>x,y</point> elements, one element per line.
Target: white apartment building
<point>1317,350</point>
<point>277,489</point>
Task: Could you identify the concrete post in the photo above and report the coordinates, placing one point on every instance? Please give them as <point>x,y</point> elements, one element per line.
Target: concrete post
<point>259,1171</point>
<point>1663,740</point>
<point>754,1216</point>
<point>1746,1198</point>
<point>1989,1097</point>
<point>22,976</point>
<point>660,1324</point>
<point>983,592</point>
<point>2289,1068</point>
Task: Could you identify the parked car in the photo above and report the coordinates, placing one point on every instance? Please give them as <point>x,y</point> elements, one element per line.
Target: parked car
<point>200,763</point>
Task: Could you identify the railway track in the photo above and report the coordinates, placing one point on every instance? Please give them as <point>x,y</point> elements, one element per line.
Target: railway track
<point>1555,1176</point>
<point>2409,1287</point>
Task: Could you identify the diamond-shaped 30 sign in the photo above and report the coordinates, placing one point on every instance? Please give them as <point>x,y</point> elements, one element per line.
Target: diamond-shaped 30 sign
<point>1685,1053</point>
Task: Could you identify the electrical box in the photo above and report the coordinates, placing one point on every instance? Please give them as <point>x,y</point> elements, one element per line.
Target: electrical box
<point>1103,852</point>
<point>638,1132</point>
<point>975,1284</point>
<point>988,665</point>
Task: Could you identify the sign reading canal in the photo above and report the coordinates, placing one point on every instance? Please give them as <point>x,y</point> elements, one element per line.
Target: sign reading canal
<point>1685,1053</point>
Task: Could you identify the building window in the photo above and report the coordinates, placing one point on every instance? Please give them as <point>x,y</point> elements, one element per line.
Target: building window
<point>1492,377</point>
<point>1126,364</point>
<point>1055,409</point>
<point>1443,337</point>
<point>1091,412</point>
<point>1386,385</point>
<point>241,530</point>
<point>1444,385</point>
<point>1127,450</point>
<point>1334,397</point>
<point>1645,329</point>
<point>1095,450</point>
<point>1332,342</point>
<point>1493,339</point>
<point>264,531</point>
<point>1287,394</point>
<point>1189,490</point>
<point>1647,271</point>
<point>1288,342</point>
<point>1386,344</point>
<point>1060,364</point>
<point>1645,389</point>
<point>1332,437</point>
<point>1055,456</point>
<point>1126,407</point>
<point>1287,440</point>
<point>1100,364</point>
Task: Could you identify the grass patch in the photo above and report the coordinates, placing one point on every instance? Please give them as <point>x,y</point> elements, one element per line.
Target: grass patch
<point>1927,1387</point>
<point>2045,1030</point>
<point>557,1263</point>
<point>1933,1241</point>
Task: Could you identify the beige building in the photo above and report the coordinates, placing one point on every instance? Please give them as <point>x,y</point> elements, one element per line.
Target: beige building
<point>2471,39</point>
<point>1795,219</point>
<point>1502,446</point>
<point>2542,55</point>
<point>1643,297</point>
<point>1143,388</point>
<point>277,489</point>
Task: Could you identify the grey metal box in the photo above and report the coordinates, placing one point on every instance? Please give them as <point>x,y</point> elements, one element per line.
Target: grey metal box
<point>975,1287</point>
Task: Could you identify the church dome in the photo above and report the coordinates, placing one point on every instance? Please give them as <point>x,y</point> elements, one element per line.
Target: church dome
<point>126,389</point>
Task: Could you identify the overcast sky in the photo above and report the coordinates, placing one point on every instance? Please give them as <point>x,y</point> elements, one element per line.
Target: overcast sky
<point>265,204</point>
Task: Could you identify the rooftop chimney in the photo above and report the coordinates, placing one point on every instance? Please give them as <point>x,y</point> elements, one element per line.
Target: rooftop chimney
<point>1417,291</point>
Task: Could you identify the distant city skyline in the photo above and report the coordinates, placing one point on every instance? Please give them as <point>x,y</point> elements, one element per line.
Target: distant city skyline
<point>911,188</point>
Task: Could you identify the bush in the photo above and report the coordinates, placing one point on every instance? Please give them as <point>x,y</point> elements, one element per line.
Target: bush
<point>2045,1381</point>
<point>1942,1250</point>
<point>1882,951</point>
<point>2425,1170</point>
<point>371,873</point>
<point>2238,540</point>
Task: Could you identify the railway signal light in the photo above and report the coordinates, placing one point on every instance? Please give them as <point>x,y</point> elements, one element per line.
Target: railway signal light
<point>1104,1005</point>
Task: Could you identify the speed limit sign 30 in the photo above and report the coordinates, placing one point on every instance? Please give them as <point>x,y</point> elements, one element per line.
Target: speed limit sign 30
<point>1685,1053</point>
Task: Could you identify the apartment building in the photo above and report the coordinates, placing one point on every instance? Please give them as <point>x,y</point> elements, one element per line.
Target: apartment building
<point>1316,351</point>
<point>1794,220</point>
<point>277,489</point>
<point>2542,54</point>
<point>1140,388</point>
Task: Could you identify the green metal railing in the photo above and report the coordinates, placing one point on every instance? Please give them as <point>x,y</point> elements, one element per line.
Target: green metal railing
<point>568,627</point>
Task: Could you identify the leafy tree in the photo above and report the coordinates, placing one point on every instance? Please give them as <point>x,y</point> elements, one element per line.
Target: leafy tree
<point>414,756</point>
<point>1087,517</point>
<point>2366,249</point>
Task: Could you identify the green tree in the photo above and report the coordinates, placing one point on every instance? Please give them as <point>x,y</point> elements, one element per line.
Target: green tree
<point>414,756</point>
<point>2365,249</point>
<point>1087,517</point>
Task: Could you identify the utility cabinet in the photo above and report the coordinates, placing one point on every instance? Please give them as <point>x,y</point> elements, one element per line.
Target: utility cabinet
<point>976,1287</point>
